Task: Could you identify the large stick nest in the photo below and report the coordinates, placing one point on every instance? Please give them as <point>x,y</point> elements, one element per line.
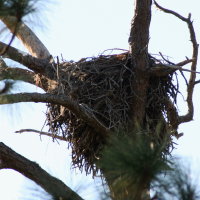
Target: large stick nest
<point>103,85</point>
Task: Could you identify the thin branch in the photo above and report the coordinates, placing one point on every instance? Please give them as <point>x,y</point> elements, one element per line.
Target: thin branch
<point>42,66</point>
<point>170,12</point>
<point>17,74</point>
<point>190,89</point>
<point>42,133</point>
<point>35,47</point>
<point>78,109</point>
<point>9,159</point>
<point>165,69</point>
<point>197,82</point>
<point>185,62</point>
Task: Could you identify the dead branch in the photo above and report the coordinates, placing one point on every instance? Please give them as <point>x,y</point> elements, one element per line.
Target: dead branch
<point>78,109</point>
<point>164,69</point>
<point>190,88</point>
<point>53,136</point>
<point>17,74</point>
<point>41,66</point>
<point>9,159</point>
<point>185,62</point>
<point>197,82</point>
<point>32,43</point>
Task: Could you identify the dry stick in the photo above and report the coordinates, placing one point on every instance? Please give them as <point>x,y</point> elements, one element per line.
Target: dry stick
<point>78,109</point>
<point>190,89</point>
<point>42,133</point>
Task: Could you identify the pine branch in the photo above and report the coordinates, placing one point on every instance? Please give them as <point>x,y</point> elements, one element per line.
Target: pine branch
<point>42,66</point>
<point>78,109</point>
<point>17,74</point>
<point>9,159</point>
<point>32,43</point>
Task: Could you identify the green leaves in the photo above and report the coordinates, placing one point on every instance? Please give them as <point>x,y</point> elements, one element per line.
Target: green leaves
<point>17,8</point>
<point>130,163</point>
<point>133,165</point>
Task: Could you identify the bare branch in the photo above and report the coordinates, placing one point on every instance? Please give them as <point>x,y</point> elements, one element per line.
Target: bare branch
<point>17,74</point>
<point>35,47</point>
<point>9,159</point>
<point>185,62</point>
<point>165,69</point>
<point>27,76</point>
<point>37,65</point>
<point>170,12</point>
<point>191,84</point>
<point>197,82</point>
<point>42,133</point>
<point>78,109</point>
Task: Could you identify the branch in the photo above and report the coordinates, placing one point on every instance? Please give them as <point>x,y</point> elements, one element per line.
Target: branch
<point>165,69</point>
<point>17,74</point>
<point>190,88</point>
<point>42,66</point>
<point>9,159</point>
<point>32,43</point>
<point>78,109</point>
<point>42,133</point>
<point>27,76</point>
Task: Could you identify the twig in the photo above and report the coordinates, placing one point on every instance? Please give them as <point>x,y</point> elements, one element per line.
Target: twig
<point>189,116</point>
<point>165,59</point>
<point>185,62</point>
<point>63,100</point>
<point>170,12</point>
<point>42,133</point>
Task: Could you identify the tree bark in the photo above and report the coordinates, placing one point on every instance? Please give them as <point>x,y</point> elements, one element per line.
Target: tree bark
<point>78,109</point>
<point>9,159</point>
<point>139,39</point>
<point>32,43</point>
<point>42,66</point>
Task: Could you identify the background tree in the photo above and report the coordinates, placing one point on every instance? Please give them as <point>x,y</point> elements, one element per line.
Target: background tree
<point>78,114</point>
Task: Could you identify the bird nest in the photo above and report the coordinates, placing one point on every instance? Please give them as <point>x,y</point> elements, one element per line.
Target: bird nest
<point>103,85</point>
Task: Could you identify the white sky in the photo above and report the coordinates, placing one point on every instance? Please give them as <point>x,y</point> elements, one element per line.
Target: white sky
<point>83,28</point>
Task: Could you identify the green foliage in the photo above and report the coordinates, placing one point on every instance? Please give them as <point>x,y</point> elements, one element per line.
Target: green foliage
<point>177,184</point>
<point>133,165</point>
<point>130,163</point>
<point>17,8</point>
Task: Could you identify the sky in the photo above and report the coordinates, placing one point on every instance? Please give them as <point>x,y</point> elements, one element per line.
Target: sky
<point>75,29</point>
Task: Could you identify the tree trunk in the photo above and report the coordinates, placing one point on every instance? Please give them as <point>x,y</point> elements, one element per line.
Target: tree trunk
<point>139,39</point>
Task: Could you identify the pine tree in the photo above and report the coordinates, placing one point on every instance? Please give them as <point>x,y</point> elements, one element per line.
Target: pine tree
<point>118,112</point>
